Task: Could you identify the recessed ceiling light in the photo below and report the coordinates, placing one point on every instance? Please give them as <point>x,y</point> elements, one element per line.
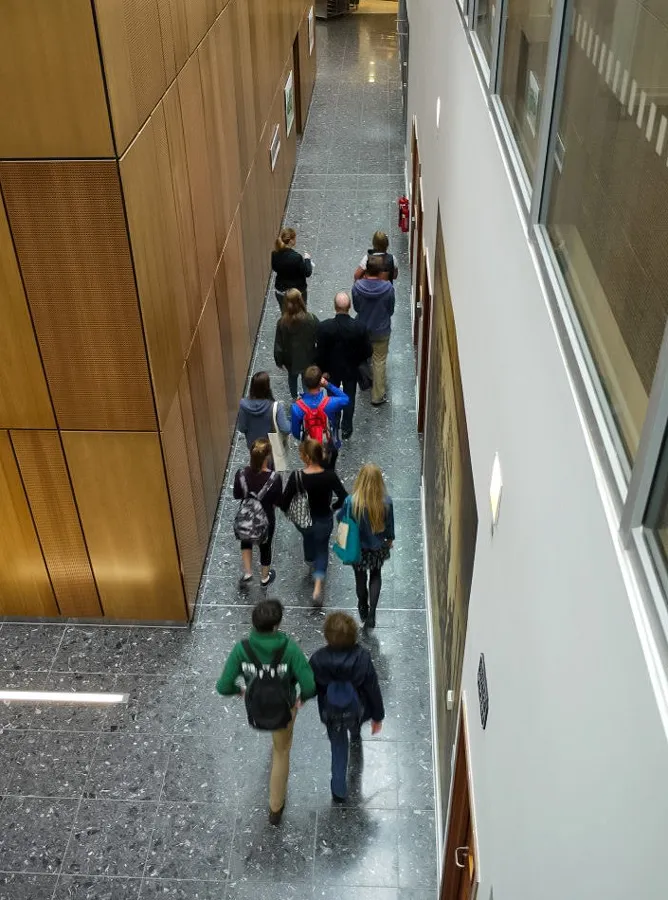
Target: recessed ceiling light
<point>71,698</point>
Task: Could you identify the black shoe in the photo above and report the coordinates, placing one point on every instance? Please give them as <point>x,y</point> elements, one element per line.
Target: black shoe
<point>338,799</point>
<point>270,579</point>
<point>346,435</point>
<point>275,817</point>
<point>363,610</point>
<point>371,620</point>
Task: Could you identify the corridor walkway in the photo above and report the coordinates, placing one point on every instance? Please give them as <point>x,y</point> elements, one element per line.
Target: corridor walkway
<point>167,797</point>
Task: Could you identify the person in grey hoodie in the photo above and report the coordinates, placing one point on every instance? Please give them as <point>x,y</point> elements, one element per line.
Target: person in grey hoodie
<point>256,414</point>
<point>373,300</point>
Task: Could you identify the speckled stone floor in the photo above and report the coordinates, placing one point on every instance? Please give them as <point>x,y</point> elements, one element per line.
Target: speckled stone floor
<point>167,797</point>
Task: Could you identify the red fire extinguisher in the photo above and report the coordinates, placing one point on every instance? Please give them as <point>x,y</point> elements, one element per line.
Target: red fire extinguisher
<point>404,213</point>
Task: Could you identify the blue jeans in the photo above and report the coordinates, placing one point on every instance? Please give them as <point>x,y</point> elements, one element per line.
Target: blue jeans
<point>338,739</point>
<point>316,544</point>
<point>293,384</point>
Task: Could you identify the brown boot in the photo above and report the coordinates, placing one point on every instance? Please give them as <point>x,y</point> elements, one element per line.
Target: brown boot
<point>275,817</point>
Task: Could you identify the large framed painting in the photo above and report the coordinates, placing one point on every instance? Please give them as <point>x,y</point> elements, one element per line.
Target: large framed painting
<point>289,103</point>
<point>450,513</point>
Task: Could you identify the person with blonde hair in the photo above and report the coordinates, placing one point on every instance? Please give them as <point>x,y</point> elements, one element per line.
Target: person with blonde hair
<point>258,481</point>
<point>292,269</point>
<point>371,507</point>
<point>348,693</point>
<point>294,341</point>
<point>379,244</point>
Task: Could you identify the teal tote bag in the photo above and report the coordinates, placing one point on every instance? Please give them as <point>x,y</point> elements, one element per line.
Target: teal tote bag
<point>347,545</point>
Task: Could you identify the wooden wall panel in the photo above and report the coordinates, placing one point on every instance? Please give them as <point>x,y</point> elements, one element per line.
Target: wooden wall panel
<point>134,63</point>
<point>52,100</point>
<point>196,479</point>
<point>25,589</point>
<point>84,301</point>
<point>47,485</point>
<point>243,86</point>
<point>308,63</point>
<point>24,398</point>
<point>230,285</point>
<point>192,548</point>
<point>156,248</point>
<point>119,485</point>
<point>192,109</point>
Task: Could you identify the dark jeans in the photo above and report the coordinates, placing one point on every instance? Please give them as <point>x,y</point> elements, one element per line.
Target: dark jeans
<point>339,742</point>
<point>349,387</point>
<point>367,596</point>
<point>316,544</point>
<point>293,384</point>
<point>265,548</point>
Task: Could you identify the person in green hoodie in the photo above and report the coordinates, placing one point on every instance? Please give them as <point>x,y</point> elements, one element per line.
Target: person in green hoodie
<point>265,640</point>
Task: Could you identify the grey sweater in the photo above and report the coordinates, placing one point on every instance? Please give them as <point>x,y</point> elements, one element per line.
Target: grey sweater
<point>255,419</point>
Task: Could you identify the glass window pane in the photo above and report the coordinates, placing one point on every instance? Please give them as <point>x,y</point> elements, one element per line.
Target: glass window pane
<point>608,209</point>
<point>485,10</point>
<point>527,36</point>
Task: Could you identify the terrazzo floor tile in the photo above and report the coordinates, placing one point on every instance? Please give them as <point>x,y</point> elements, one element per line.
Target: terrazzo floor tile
<point>34,833</point>
<point>263,852</point>
<point>357,847</point>
<point>128,766</point>
<point>27,887</point>
<point>193,841</point>
<point>29,647</point>
<point>91,649</point>
<point>52,763</point>
<point>167,889</point>
<point>77,887</point>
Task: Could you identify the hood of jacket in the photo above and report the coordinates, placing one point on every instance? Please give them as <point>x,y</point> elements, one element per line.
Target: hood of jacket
<point>373,287</point>
<point>340,665</point>
<point>256,407</point>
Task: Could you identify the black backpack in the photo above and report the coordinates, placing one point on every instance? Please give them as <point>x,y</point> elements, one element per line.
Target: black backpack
<point>342,708</point>
<point>268,695</point>
<point>251,522</point>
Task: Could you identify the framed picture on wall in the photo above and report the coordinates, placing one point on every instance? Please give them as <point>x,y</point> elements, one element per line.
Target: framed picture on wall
<point>274,147</point>
<point>311,31</point>
<point>289,103</point>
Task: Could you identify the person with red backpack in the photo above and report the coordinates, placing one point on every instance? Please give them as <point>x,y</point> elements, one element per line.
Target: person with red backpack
<point>315,413</point>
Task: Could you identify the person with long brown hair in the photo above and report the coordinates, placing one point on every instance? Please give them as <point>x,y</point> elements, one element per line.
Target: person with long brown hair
<point>292,269</point>
<point>251,481</point>
<point>294,341</point>
<point>319,484</point>
<point>260,413</point>
<point>371,507</point>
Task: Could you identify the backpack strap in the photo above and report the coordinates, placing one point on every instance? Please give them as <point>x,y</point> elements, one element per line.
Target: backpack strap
<point>277,658</point>
<point>265,487</point>
<point>300,403</point>
<point>250,653</point>
<point>323,403</point>
<point>242,482</point>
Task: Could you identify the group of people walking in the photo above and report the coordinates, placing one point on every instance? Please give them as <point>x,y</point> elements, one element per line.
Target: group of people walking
<point>331,358</point>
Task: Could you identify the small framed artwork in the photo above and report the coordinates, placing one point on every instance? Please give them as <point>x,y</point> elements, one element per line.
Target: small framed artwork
<point>532,101</point>
<point>311,31</point>
<point>274,147</point>
<point>289,103</point>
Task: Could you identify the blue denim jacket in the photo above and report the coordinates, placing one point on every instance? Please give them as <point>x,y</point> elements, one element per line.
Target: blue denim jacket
<point>368,539</point>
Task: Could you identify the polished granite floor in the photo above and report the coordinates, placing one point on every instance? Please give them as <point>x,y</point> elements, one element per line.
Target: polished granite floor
<point>167,797</point>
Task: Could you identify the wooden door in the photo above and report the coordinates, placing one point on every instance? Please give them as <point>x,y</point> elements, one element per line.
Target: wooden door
<point>460,869</point>
<point>424,340</point>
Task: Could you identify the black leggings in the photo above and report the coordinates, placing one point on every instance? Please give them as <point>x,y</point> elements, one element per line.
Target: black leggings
<point>368,596</point>
<point>265,548</point>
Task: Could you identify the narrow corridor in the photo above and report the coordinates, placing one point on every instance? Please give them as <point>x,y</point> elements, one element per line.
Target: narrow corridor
<point>167,797</point>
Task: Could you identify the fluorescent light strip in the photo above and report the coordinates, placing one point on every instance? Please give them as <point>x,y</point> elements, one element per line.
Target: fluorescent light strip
<point>71,698</point>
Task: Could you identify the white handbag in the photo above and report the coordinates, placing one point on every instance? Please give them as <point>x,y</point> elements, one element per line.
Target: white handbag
<point>277,441</point>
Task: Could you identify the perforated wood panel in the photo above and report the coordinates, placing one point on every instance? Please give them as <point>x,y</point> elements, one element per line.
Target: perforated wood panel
<point>47,485</point>
<point>52,101</point>
<point>24,583</point>
<point>120,488</point>
<point>134,65</point>
<point>192,549</point>
<point>24,398</point>
<point>70,233</point>
<point>156,249</point>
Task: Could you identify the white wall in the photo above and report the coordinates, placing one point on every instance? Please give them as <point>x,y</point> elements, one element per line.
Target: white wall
<point>571,774</point>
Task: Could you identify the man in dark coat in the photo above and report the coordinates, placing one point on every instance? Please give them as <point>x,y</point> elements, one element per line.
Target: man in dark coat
<point>343,344</point>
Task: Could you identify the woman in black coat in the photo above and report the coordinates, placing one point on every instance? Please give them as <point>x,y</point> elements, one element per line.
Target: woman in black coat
<point>292,269</point>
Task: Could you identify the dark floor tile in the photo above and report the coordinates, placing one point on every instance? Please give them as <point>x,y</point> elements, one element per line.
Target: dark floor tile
<point>192,841</point>
<point>128,767</point>
<point>52,764</point>
<point>27,887</point>
<point>29,647</point>
<point>153,706</point>
<point>199,772</point>
<point>11,742</point>
<point>254,890</point>
<point>110,838</point>
<point>34,833</point>
<point>157,651</point>
<point>62,717</point>
<point>333,892</point>
<point>357,847</point>
<point>264,852</point>
<point>416,774</point>
<point>91,649</point>
<point>182,890</point>
<point>204,711</point>
<point>211,648</point>
<point>79,887</point>
<point>417,848</point>
<point>15,715</point>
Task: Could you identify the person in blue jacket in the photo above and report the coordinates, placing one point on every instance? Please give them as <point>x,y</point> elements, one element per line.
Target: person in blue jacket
<point>348,693</point>
<point>319,394</point>
<point>373,301</point>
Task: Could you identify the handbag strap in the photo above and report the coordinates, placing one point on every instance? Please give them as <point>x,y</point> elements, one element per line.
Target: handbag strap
<point>273,415</point>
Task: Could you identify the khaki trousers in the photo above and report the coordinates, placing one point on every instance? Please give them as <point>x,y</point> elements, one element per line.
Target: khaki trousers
<point>380,348</point>
<point>280,765</point>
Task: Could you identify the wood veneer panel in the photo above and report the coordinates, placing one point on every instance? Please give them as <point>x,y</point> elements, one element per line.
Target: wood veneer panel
<point>194,466</point>
<point>134,64</point>
<point>192,110</point>
<point>307,67</point>
<point>25,589</point>
<point>69,228</point>
<point>47,485</point>
<point>230,284</point>
<point>52,101</point>
<point>156,248</point>
<point>192,549</point>
<point>119,485</point>
<point>24,398</point>
<point>243,86</point>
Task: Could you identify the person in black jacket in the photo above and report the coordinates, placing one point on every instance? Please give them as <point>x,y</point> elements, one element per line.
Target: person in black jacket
<point>343,344</point>
<point>292,269</point>
<point>251,480</point>
<point>348,693</point>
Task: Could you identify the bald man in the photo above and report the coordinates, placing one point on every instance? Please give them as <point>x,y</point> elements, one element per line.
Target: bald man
<point>343,344</point>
